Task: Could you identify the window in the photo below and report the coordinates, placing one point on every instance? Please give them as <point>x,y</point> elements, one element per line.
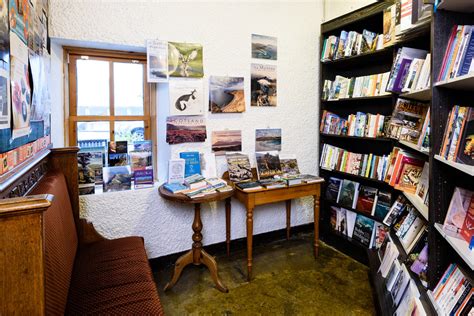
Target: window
<point>109,99</point>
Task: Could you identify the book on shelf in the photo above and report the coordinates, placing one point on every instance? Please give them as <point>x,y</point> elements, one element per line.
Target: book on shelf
<point>400,72</point>
<point>382,204</point>
<point>413,233</point>
<point>424,139</point>
<point>396,209</point>
<point>417,259</point>
<point>423,183</point>
<point>410,303</point>
<point>348,194</point>
<point>410,172</point>
<point>341,221</point>
<point>359,124</point>
<point>86,173</point>
<point>355,87</point>
<point>379,234</point>
<point>400,284</point>
<point>459,52</point>
<point>143,178</point>
<point>458,140</point>
<point>461,202</point>
<point>192,163</point>
<point>363,230</point>
<point>407,120</point>
<point>388,254</point>
<point>117,178</point>
<point>392,275</point>
<point>239,167</point>
<point>366,199</point>
<point>333,188</point>
<point>351,220</point>
<point>453,295</point>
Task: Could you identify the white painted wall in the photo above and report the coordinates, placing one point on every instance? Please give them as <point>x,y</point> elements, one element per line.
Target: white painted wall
<point>224,28</point>
<point>335,8</point>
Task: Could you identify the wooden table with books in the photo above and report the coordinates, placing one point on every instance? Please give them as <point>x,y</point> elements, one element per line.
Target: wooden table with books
<point>260,196</point>
<point>197,255</point>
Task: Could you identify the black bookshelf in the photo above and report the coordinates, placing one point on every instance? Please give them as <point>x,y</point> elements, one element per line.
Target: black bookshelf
<point>371,18</point>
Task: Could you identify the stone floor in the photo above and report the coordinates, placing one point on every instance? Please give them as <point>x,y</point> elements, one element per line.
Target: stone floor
<point>287,281</point>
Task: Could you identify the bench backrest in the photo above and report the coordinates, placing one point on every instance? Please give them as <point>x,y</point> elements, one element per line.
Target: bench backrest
<point>60,242</point>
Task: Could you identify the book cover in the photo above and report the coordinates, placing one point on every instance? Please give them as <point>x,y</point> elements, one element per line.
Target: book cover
<point>467,59</point>
<point>86,173</point>
<point>366,198</point>
<point>395,211</point>
<point>465,153</point>
<point>407,120</point>
<point>467,230</point>
<point>409,175</point>
<point>249,186</point>
<point>143,178</point>
<point>423,182</point>
<point>457,210</point>
<point>192,163</point>
<point>141,160</point>
<point>118,147</point>
<point>389,25</point>
<point>175,187</point>
<point>117,178</point>
<point>417,260</point>
<point>239,167</point>
<point>457,130</point>
<point>348,192</point>
<point>268,164</point>
<point>341,222</point>
<point>363,230</point>
<point>332,190</point>
<point>400,285</point>
<point>384,201</point>
<point>289,165</point>
<point>413,233</point>
<point>176,171</point>
<point>351,219</point>
<point>208,165</point>
<point>333,218</point>
<point>117,160</point>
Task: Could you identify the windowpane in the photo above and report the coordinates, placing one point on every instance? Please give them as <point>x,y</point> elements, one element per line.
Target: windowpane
<point>129,130</point>
<point>92,87</point>
<point>93,134</point>
<point>128,89</point>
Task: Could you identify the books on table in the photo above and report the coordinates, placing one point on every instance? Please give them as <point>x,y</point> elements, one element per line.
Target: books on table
<point>239,167</point>
<point>192,163</point>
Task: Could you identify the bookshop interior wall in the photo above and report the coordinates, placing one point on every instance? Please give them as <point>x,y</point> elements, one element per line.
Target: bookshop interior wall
<point>335,8</point>
<point>226,52</point>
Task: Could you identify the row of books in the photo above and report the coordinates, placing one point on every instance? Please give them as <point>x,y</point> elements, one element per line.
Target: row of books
<point>397,279</point>
<point>278,182</point>
<point>401,169</point>
<point>363,198</point>
<point>358,227</point>
<point>457,59</point>
<point>409,225</point>
<point>10,159</point>
<point>356,87</point>
<point>458,140</point>
<point>116,166</point>
<point>460,216</point>
<point>350,44</point>
<point>410,70</point>
<point>196,186</point>
<point>359,124</point>
<point>453,295</point>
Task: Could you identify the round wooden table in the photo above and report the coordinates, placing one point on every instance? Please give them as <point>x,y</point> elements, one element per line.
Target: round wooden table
<point>197,255</point>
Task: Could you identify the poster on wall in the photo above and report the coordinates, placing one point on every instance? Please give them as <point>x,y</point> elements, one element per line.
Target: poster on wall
<point>226,141</point>
<point>4,99</point>
<point>4,34</point>
<point>268,139</point>
<point>19,18</point>
<point>226,94</point>
<point>185,60</point>
<point>20,87</point>
<point>40,102</point>
<point>157,60</point>
<point>264,47</point>
<point>185,129</point>
<point>263,85</point>
<point>186,97</point>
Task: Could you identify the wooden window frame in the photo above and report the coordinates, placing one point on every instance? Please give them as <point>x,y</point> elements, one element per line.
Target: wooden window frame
<point>73,54</point>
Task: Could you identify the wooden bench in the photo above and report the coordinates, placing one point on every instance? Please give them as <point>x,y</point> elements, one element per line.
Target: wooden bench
<point>54,263</point>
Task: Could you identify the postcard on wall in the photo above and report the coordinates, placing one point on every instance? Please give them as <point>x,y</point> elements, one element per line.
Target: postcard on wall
<point>226,94</point>
<point>185,129</point>
<point>4,99</point>
<point>19,18</point>
<point>263,85</point>
<point>20,87</point>
<point>264,47</point>
<point>185,60</point>
<point>157,60</point>
<point>186,97</point>
<point>268,139</point>
<point>4,34</point>
<point>226,141</point>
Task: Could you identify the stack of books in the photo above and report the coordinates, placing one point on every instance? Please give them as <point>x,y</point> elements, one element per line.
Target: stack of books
<point>196,186</point>
<point>459,52</point>
<point>350,44</point>
<point>359,124</point>
<point>453,295</point>
<point>356,87</point>
<point>410,70</point>
<point>460,216</point>
<point>458,137</point>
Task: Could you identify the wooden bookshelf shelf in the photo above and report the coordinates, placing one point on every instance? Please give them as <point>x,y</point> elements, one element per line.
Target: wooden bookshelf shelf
<point>418,95</point>
<point>418,204</point>
<point>459,245</point>
<point>457,5</point>
<point>354,176</point>
<point>354,210</point>
<point>413,147</point>
<point>382,296</point>
<point>385,96</point>
<point>369,57</point>
<point>465,82</point>
<point>462,167</point>
<point>379,139</point>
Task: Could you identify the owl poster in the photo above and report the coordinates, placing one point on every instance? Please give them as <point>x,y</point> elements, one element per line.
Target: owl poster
<point>186,97</point>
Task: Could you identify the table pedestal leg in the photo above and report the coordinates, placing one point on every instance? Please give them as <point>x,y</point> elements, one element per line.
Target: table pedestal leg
<point>288,218</point>
<point>196,256</point>
<point>227,225</point>
<point>249,242</point>
<point>316,225</point>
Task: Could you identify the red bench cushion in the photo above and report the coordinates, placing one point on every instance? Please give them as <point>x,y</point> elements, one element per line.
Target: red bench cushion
<point>113,277</point>
<point>60,241</point>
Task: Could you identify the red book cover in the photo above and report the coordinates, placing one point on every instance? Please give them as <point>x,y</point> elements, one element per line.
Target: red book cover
<point>468,227</point>
<point>448,48</point>
<point>365,201</point>
<point>408,177</point>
